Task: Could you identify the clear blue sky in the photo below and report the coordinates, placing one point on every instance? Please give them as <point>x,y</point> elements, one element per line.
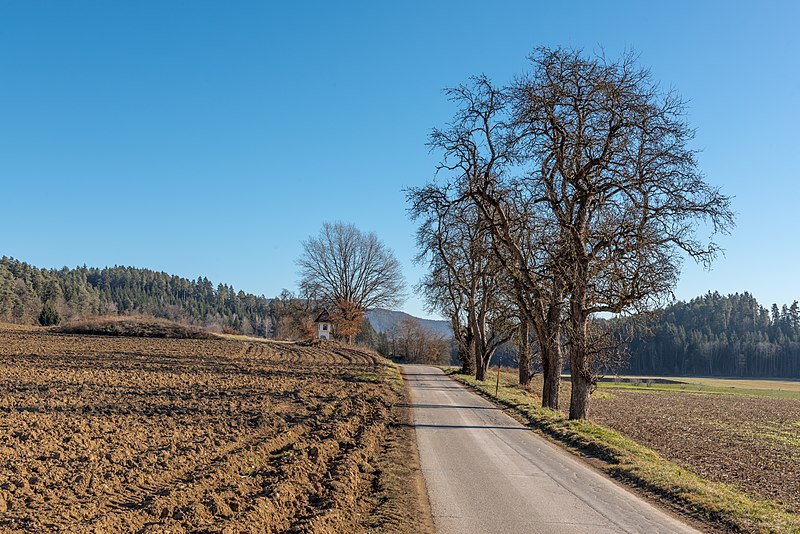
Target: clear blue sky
<point>211,138</point>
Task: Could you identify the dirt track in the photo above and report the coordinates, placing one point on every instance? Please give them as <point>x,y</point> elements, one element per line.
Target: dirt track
<point>105,434</point>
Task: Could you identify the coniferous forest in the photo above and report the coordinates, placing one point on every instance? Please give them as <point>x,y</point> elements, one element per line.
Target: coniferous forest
<point>28,294</point>
<point>716,335</point>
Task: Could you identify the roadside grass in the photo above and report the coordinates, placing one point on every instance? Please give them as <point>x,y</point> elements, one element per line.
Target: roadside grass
<point>370,377</point>
<point>394,377</point>
<point>623,458</point>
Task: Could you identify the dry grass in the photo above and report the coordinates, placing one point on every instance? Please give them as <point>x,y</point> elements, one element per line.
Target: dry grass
<point>747,384</point>
<point>133,326</point>
<point>13,327</point>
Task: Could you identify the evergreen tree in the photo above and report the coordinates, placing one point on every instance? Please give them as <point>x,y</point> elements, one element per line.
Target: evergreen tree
<point>49,315</point>
<point>82,291</point>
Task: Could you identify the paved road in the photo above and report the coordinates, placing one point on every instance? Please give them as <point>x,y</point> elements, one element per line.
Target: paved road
<point>485,472</point>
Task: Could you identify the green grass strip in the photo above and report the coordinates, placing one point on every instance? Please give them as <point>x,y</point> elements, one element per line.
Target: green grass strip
<point>699,388</point>
<point>713,502</point>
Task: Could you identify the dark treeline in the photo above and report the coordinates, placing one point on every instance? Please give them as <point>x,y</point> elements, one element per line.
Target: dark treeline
<point>717,335</point>
<point>26,290</point>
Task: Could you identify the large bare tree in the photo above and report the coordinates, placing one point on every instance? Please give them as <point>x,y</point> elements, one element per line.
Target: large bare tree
<point>350,271</point>
<point>606,151</point>
<point>583,169</point>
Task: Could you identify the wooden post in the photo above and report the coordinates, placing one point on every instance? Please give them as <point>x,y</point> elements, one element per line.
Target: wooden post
<point>497,384</point>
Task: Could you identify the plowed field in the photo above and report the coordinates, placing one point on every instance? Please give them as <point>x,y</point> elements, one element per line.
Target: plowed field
<point>749,441</point>
<point>153,435</point>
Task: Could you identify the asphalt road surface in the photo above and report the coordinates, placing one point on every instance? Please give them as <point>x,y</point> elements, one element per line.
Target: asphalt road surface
<point>485,472</point>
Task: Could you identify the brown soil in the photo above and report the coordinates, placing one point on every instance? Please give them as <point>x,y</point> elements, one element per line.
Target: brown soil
<point>103,434</point>
<point>750,442</point>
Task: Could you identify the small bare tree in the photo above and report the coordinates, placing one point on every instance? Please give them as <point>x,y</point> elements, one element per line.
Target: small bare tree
<point>292,317</point>
<point>351,272</point>
<point>441,295</point>
<point>415,343</point>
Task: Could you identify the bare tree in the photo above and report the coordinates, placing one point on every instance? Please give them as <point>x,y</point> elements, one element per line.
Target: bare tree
<point>415,343</point>
<point>584,172</point>
<point>606,151</point>
<point>465,280</point>
<point>441,295</point>
<point>350,271</point>
<point>292,317</point>
<point>478,152</point>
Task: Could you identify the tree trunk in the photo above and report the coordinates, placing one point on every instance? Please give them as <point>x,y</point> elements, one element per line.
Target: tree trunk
<point>581,388</point>
<point>480,369</point>
<point>477,357</point>
<point>466,352</point>
<point>579,366</point>
<point>524,350</point>
<point>548,334</point>
<point>478,345</point>
<point>552,364</point>
<point>486,359</point>
<point>467,362</point>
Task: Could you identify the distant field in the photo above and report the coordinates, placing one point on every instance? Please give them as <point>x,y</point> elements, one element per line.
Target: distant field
<point>789,389</point>
<point>111,434</point>
<point>779,385</point>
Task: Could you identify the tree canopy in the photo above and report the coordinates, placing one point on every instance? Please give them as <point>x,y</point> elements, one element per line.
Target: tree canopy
<point>720,335</point>
<point>26,290</point>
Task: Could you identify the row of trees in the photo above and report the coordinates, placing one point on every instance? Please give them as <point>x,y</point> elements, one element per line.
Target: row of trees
<point>568,193</point>
<point>721,335</point>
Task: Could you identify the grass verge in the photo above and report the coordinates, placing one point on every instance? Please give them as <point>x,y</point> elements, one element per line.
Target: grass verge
<point>719,505</point>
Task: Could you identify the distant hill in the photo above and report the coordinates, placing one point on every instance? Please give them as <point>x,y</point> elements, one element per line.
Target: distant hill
<point>384,321</point>
<point>88,291</point>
